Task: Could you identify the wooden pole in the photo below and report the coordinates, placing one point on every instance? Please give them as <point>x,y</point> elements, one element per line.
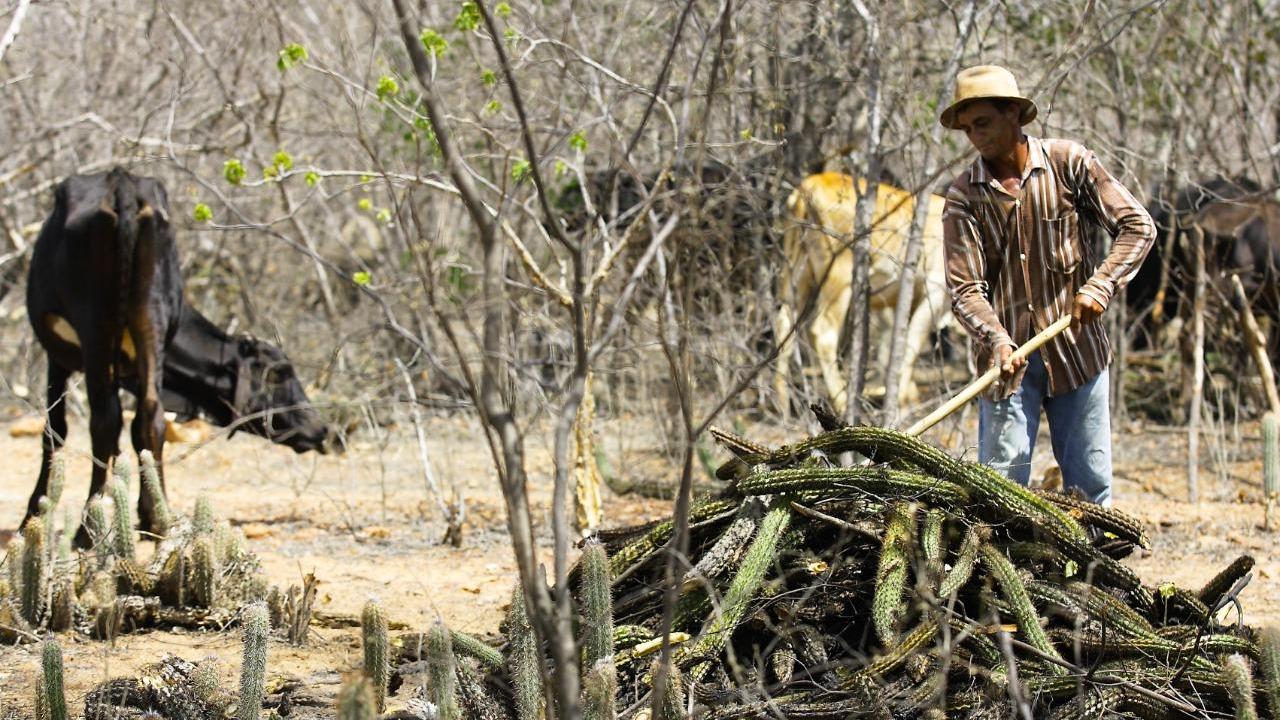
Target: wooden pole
<point>1257,345</point>
<point>1196,236</point>
<point>982,383</point>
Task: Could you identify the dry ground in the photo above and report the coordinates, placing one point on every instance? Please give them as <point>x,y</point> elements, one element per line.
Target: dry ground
<point>366,526</point>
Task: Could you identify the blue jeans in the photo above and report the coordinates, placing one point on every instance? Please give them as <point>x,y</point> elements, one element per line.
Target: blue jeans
<point>1079,426</point>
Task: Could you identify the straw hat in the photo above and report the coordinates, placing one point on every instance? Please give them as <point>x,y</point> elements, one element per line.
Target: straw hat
<point>986,82</point>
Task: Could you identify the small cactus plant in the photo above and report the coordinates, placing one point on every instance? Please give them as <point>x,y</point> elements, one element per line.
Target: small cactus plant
<point>1269,642</point>
<point>122,523</point>
<point>356,699</point>
<point>377,660</point>
<point>442,673</point>
<point>204,573</point>
<point>597,606</point>
<point>672,704</point>
<point>151,487</point>
<point>599,687</point>
<point>32,570</point>
<point>53,695</point>
<point>202,519</point>
<point>253,670</point>
<point>95,522</point>
<point>524,661</point>
<point>1236,671</point>
<point>57,478</point>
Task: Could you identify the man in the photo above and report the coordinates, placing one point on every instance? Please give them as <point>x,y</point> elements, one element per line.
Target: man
<point>1017,260</point>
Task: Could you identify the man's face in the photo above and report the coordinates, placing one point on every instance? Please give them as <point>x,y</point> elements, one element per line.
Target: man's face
<point>993,132</point>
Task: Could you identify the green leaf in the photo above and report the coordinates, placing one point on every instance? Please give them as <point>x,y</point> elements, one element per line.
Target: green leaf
<point>387,87</point>
<point>1167,590</point>
<point>503,9</point>
<point>433,42</point>
<point>233,171</point>
<point>578,141</point>
<point>361,278</point>
<point>492,107</point>
<point>365,204</point>
<point>746,134</point>
<point>520,170</point>
<point>488,78</point>
<point>291,55</point>
<point>282,160</point>
<point>561,168</point>
<point>312,178</point>
<point>202,213</point>
<point>1071,569</point>
<point>384,215</point>
<point>270,172</point>
<point>468,18</point>
<point>511,34</point>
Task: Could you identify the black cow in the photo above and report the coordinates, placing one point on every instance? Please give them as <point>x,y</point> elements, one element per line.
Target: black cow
<point>1241,228</point>
<point>104,296</point>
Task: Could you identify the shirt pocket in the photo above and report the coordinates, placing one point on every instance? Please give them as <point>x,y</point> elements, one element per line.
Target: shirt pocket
<point>1063,236</point>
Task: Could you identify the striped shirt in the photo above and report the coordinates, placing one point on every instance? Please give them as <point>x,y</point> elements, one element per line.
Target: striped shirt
<point>1015,263</point>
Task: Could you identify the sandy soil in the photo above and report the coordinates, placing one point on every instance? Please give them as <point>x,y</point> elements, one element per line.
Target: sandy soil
<point>364,523</point>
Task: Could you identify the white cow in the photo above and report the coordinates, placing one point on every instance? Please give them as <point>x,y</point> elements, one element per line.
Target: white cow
<point>820,224</point>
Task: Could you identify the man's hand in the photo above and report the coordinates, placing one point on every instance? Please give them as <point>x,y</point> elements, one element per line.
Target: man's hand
<point>1084,311</point>
<point>1009,365</point>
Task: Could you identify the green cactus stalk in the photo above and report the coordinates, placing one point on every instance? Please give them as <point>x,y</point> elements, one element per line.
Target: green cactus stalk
<point>442,673</point>
<point>204,573</point>
<point>206,680</point>
<point>17,551</point>
<point>599,689</point>
<point>524,660</point>
<point>202,519</point>
<point>876,481</point>
<point>57,478</point>
<point>1014,592</point>
<point>253,670</point>
<point>45,512</point>
<point>377,656</point>
<point>1269,647</point>
<point>32,570</point>
<point>931,545</point>
<point>672,705</point>
<point>356,699</point>
<point>755,564</point>
<point>463,644</point>
<point>95,522</point>
<point>597,606</point>
<point>40,713</point>
<point>55,697</point>
<point>122,525</point>
<point>887,606</point>
<point>1239,677</point>
<point>160,514</point>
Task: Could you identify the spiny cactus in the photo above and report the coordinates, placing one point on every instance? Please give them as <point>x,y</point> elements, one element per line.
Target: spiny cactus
<point>95,522</point>
<point>253,670</point>
<point>45,513</point>
<point>356,699</point>
<point>755,564</point>
<point>599,686</point>
<point>524,660</point>
<point>160,516</point>
<point>32,570</point>
<point>377,659</point>
<point>204,573</point>
<point>122,523</point>
<point>672,705</point>
<point>1269,642</point>
<point>442,673</point>
<point>55,698</point>
<point>887,606</point>
<point>1239,677</point>
<point>1014,593</point>
<point>206,681</point>
<point>464,644</point>
<point>597,606</point>
<point>931,542</point>
<point>17,551</point>
<point>202,519</point>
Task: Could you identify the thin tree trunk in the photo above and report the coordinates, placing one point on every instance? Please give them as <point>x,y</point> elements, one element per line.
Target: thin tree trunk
<point>915,238</point>
<point>1196,235</point>
<point>859,311</point>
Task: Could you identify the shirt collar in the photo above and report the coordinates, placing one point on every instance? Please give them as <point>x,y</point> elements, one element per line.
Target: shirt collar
<point>1037,157</point>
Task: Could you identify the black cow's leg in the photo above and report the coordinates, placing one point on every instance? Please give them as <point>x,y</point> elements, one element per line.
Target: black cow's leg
<point>55,432</point>
<point>105,421</point>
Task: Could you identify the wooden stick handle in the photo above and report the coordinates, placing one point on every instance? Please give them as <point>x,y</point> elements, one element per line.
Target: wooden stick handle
<point>982,383</point>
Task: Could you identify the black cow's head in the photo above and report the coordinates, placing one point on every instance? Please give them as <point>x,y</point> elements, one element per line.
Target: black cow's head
<point>269,401</point>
